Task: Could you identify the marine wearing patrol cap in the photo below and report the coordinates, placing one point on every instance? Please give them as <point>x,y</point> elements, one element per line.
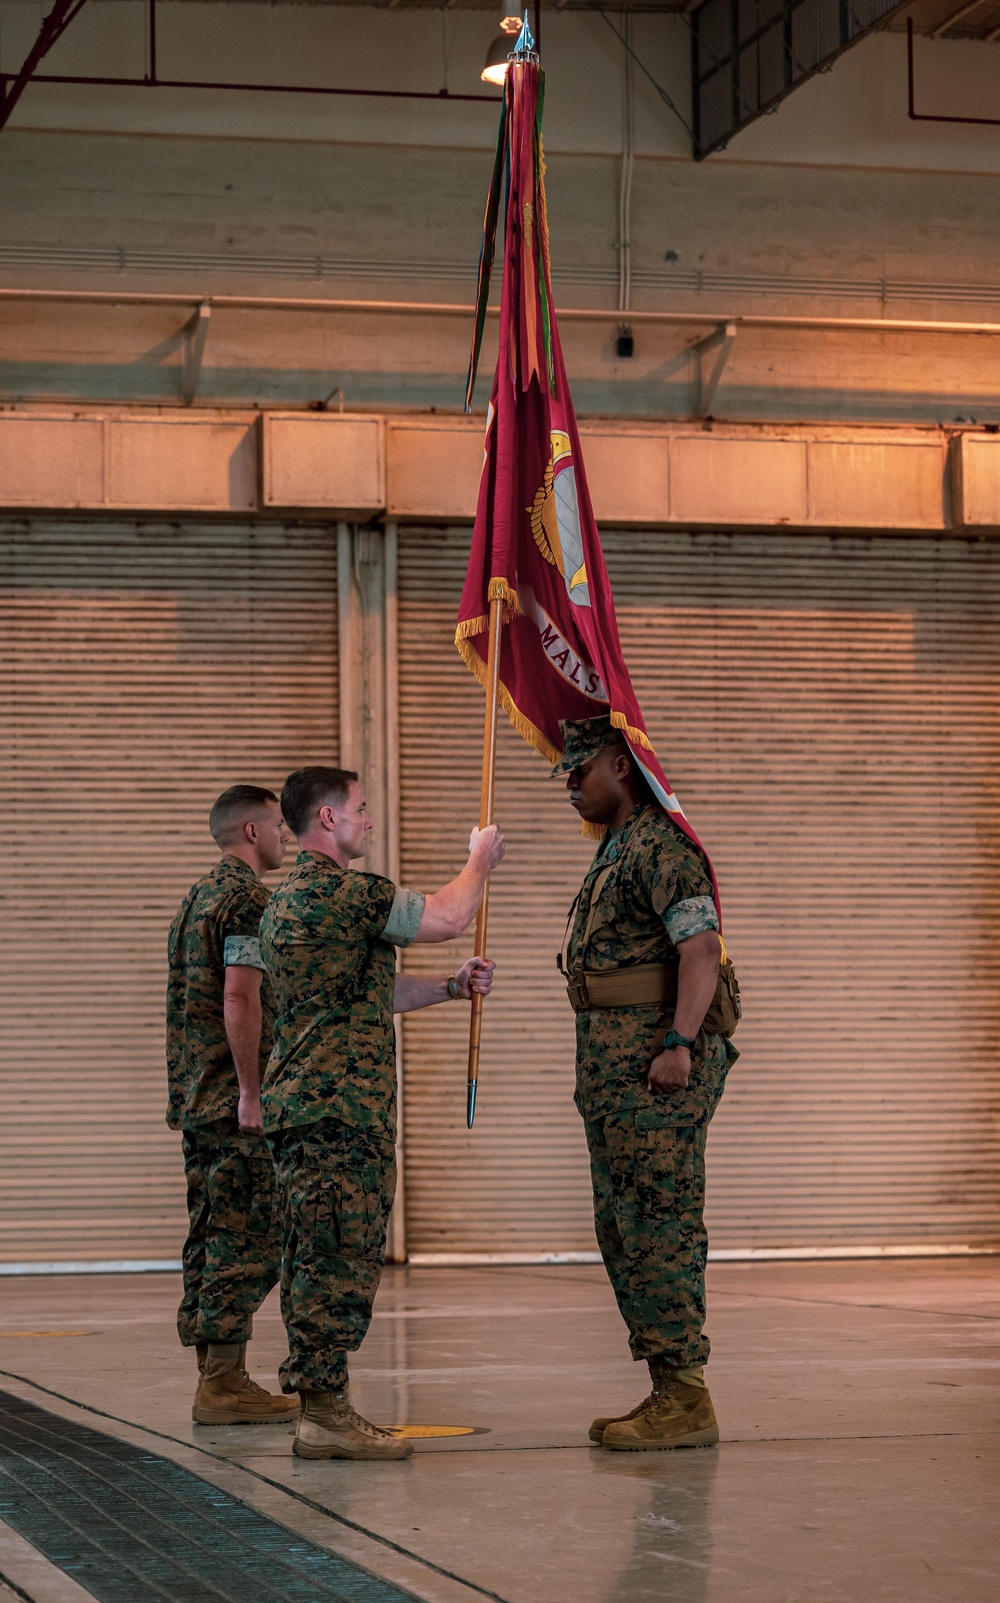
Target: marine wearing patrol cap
<point>641,956</point>
<point>583,738</point>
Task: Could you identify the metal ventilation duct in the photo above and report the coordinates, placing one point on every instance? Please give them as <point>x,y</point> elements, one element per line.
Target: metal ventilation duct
<point>747,55</point>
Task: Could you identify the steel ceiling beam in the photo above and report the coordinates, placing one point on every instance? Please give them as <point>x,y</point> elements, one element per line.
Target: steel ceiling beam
<point>747,56</point>
<point>52,29</point>
<point>64,11</point>
<point>956,16</point>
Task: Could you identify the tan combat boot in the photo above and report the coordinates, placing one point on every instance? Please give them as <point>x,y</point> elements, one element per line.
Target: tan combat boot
<point>677,1416</point>
<point>328,1427</point>
<point>227,1396</point>
<point>602,1422</point>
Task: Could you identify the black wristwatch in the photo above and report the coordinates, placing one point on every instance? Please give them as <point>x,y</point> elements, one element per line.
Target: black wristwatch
<point>673,1039</point>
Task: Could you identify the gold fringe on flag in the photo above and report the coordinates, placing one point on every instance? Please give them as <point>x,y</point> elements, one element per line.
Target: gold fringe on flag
<point>470,628</point>
<point>522,725</point>
<point>500,590</point>
<point>519,723</point>
<point>620,721</point>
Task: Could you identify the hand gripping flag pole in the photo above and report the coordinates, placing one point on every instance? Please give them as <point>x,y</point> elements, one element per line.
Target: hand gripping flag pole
<point>536,623</point>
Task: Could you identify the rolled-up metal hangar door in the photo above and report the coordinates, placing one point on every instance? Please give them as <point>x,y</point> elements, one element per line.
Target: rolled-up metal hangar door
<point>146,666</point>
<point>828,708</point>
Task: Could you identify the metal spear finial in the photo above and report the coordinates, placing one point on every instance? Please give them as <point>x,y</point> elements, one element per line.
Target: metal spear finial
<point>524,50</point>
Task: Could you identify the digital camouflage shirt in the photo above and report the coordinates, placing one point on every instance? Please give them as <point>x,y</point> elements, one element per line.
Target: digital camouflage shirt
<point>328,939</point>
<point>216,926</point>
<point>657,895</point>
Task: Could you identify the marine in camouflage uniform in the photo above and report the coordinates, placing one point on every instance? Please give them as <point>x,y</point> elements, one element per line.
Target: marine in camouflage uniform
<point>328,937</point>
<point>647,892</point>
<point>232,1253</point>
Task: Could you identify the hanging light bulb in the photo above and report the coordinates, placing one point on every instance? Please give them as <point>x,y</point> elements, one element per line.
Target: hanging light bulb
<point>495,70</point>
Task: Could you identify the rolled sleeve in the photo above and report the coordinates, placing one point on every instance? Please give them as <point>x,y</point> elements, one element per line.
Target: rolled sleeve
<point>404,918</point>
<point>693,916</point>
<point>242,951</point>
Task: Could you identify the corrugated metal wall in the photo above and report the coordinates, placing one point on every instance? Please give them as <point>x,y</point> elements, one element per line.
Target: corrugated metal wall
<point>828,709</point>
<point>145,667</point>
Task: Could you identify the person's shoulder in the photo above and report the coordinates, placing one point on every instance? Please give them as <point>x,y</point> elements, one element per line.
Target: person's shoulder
<point>254,894</point>
<point>195,929</point>
<point>222,890</point>
<point>296,883</point>
<point>658,840</point>
<point>312,886</point>
<point>658,824</point>
<point>363,892</point>
<point>240,904</point>
<point>359,880</point>
<point>654,830</point>
<point>202,894</point>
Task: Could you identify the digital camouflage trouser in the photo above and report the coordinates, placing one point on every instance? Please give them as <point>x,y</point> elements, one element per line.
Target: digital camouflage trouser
<point>233,1250</point>
<point>338,1183</point>
<point>649,1196</point>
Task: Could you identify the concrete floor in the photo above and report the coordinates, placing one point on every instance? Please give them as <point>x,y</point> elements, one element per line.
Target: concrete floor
<point>858,1406</point>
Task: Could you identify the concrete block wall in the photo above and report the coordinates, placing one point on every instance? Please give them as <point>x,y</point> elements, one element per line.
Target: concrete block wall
<point>404,208</point>
<point>835,206</point>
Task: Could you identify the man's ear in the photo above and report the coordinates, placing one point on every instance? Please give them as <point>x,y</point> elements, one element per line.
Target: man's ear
<point>250,832</point>
<point>623,764</point>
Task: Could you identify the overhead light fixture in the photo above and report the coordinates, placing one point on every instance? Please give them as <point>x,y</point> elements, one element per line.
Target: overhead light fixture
<point>495,70</point>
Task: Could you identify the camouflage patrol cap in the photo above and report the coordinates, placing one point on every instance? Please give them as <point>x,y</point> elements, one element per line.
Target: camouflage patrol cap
<point>583,738</point>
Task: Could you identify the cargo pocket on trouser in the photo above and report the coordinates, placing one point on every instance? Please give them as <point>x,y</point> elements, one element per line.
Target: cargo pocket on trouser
<point>352,1209</point>
<point>243,1188</point>
<point>264,1219</point>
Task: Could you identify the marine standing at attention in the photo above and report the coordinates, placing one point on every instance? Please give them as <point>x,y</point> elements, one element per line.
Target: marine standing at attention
<point>328,937</point>
<point>642,964</point>
<point>218,1038</point>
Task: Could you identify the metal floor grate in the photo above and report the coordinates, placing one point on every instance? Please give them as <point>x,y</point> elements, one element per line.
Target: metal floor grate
<point>127,1524</point>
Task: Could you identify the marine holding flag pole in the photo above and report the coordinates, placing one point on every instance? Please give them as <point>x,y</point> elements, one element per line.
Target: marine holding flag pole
<point>536,623</point>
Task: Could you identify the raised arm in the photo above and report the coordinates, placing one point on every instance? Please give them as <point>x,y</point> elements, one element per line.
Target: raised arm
<point>450,910</point>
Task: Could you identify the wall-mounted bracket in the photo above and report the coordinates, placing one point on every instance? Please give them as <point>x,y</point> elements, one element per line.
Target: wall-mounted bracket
<point>704,389</point>
<point>195,335</point>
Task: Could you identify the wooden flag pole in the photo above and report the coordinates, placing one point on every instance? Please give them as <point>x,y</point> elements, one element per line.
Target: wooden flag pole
<point>485,817</point>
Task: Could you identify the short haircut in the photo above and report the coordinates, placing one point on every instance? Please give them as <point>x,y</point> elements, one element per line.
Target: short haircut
<point>309,789</point>
<point>234,807</point>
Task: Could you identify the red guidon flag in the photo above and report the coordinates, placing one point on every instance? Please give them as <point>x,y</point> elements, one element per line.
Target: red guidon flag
<point>535,545</point>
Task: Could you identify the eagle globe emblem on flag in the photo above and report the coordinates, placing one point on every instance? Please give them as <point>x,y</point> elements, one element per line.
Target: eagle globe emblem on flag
<point>536,622</point>
<point>555,519</point>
